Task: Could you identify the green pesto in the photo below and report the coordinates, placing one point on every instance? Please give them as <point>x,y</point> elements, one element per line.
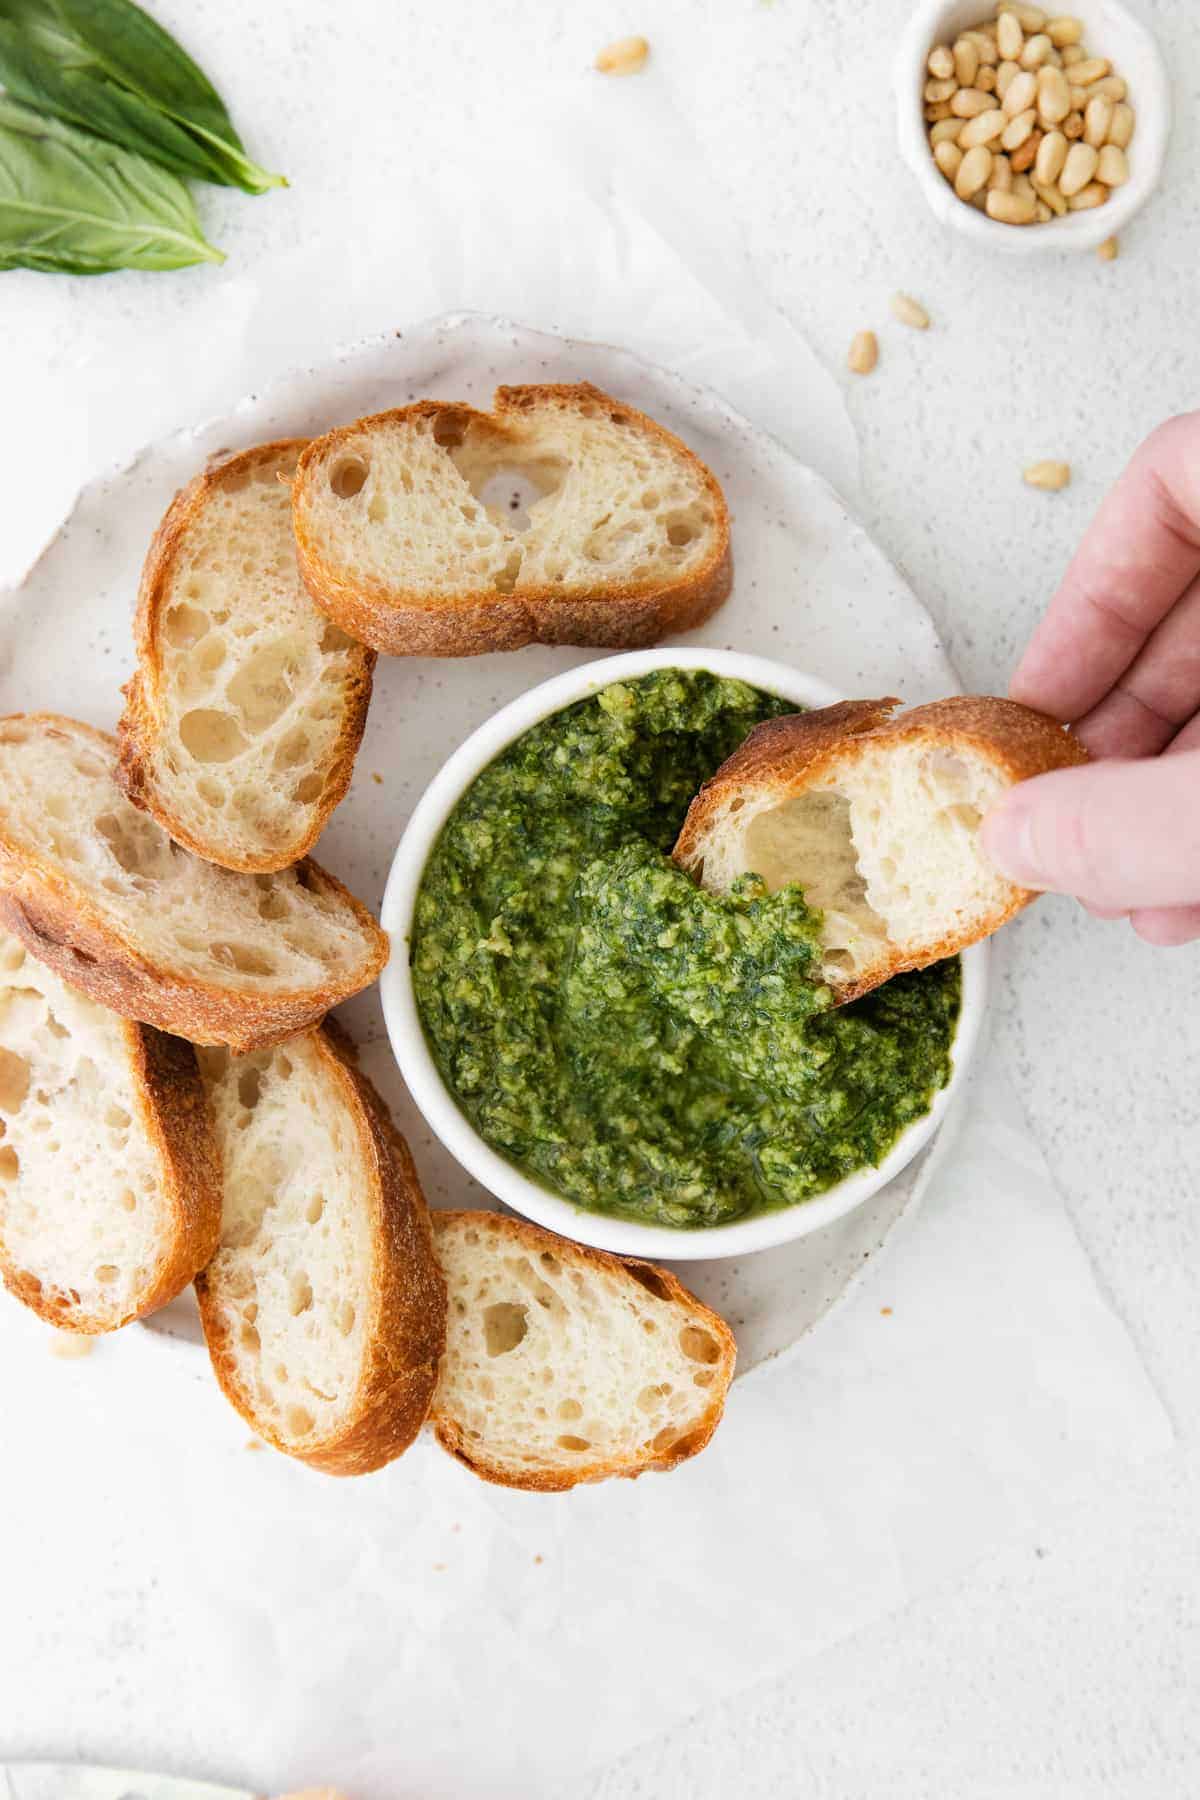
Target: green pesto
<point>631,1042</point>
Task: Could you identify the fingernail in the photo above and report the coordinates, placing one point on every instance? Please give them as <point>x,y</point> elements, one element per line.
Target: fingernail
<point>1007,839</point>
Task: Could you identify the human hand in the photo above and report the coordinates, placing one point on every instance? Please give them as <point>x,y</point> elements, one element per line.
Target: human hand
<point>1117,656</point>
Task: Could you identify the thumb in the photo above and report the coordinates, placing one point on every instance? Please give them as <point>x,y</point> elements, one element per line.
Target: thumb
<point>1117,834</point>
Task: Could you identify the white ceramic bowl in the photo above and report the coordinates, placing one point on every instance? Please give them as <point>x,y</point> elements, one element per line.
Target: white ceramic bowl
<point>517,1190</point>
<point>1111,30</point>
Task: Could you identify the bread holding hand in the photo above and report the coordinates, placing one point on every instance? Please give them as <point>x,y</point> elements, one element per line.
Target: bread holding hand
<point>407,539</point>
<point>876,817</point>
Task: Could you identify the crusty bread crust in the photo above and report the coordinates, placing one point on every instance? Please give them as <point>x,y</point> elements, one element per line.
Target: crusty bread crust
<point>173,1110</point>
<point>617,616</point>
<point>406,1330</point>
<point>140,726</point>
<point>56,921</point>
<point>535,1240</point>
<point>783,757</point>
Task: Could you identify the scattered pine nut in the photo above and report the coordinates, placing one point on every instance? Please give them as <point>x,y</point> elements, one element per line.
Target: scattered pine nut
<point>1019,107</point>
<point>864,352</point>
<point>624,57</point>
<point>1051,477</point>
<point>1109,250</point>
<point>909,312</point>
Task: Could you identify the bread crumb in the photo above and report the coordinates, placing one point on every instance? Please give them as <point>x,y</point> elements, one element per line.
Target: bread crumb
<point>885,1312</point>
<point>539,1559</point>
<point>376,776</point>
<point>71,1345</point>
<point>625,57</point>
<point>254,1444</point>
<point>439,1568</point>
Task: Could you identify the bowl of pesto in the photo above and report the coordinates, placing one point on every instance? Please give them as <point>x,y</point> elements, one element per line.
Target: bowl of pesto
<point>610,1050</point>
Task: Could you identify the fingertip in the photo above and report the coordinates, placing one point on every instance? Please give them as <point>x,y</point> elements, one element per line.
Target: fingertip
<point>1167,928</point>
<point>1006,839</point>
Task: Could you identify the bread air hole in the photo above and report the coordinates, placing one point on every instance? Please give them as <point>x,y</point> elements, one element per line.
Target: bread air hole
<point>309,788</point>
<point>698,1345</point>
<point>348,476</point>
<point>651,1280</point>
<point>249,1087</point>
<point>14,1081</point>
<point>683,527</point>
<point>136,843</point>
<point>809,841</point>
<point>650,1398</point>
<point>10,1163</point>
<point>211,736</point>
<point>300,1294</point>
<point>569,1410</point>
<point>184,625</point>
<point>106,1273</point>
<point>245,958</point>
<point>313,1211</point>
<point>299,1421</point>
<point>573,1443</point>
<point>504,1325</point>
<point>264,686</point>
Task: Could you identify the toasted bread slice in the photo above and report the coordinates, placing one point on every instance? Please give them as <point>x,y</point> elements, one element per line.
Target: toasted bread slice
<point>324,1309</point>
<point>110,1192</point>
<point>243,720</point>
<point>565,1364</point>
<point>99,892</point>
<point>398,543</point>
<point>877,819</point>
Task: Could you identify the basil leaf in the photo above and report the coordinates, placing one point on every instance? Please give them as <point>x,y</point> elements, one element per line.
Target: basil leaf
<point>74,203</point>
<point>32,76</point>
<point>115,42</point>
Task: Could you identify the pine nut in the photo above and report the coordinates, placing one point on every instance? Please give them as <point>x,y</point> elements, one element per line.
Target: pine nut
<point>1029,18</point>
<point>1025,157</point>
<point>1123,122</point>
<point>909,312</point>
<point>1074,53</point>
<point>985,43</point>
<point>1049,195</point>
<point>624,57</point>
<point>1010,39</point>
<point>1051,155</point>
<point>1078,169</point>
<point>1053,96</point>
<point>947,156</point>
<point>935,114</point>
<point>1084,73</point>
<point>1078,97</point>
<point>983,129</point>
<point>1001,175</point>
<point>1112,168</point>
<point>1053,60</point>
<point>1064,33</point>
<point>985,81</point>
<point>1022,93</point>
<point>1109,250</point>
<point>1111,86</point>
<point>1051,477</point>
<point>1010,209</point>
<point>1006,74</point>
<point>863,353</point>
<point>1036,50</point>
<point>940,90</point>
<point>1023,188</point>
<point>1094,194</point>
<point>1043,214</point>
<point>941,63</point>
<point>945,130</point>
<point>973,172</point>
<point>968,103</point>
<point>1073,125</point>
<point>964,61</point>
<point>1097,119</point>
<point>1018,129</point>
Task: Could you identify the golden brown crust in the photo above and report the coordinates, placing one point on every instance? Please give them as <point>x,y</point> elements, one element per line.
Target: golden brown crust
<point>56,921</point>
<point>140,727</point>
<point>173,1109</point>
<point>782,757</point>
<point>406,1330</point>
<point>478,620</point>
<point>661,1282</point>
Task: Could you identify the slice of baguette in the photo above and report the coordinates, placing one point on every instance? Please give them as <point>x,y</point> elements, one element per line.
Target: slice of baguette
<point>243,720</point>
<point>110,1195</point>
<point>323,1308</point>
<point>877,819</point>
<point>397,541</point>
<point>565,1364</point>
<point>99,892</point>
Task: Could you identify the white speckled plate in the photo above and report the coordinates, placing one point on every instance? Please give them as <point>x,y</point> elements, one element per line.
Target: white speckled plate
<point>810,589</point>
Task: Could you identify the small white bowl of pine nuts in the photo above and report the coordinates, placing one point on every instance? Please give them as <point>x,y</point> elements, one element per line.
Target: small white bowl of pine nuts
<point>1031,129</point>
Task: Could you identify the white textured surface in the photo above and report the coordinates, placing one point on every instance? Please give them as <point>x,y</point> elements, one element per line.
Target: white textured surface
<point>1069,1673</point>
